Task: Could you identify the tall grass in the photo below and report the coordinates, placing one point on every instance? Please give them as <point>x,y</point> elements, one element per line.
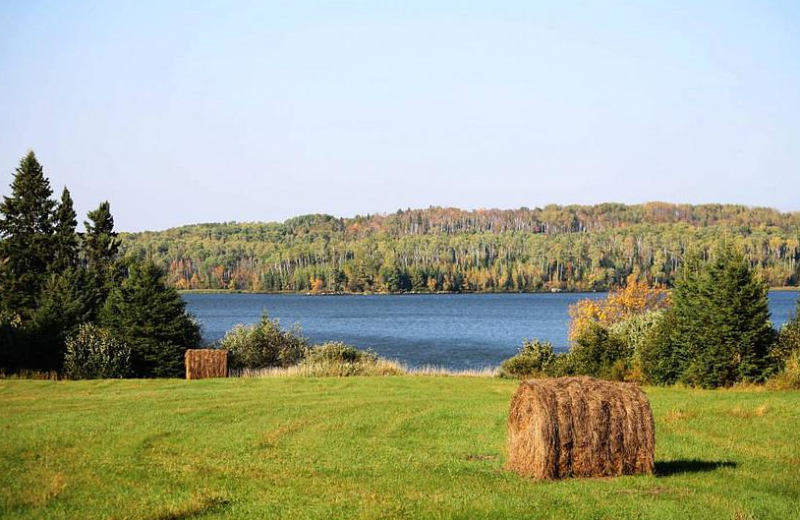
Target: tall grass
<point>41,375</point>
<point>430,370</point>
<point>379,367</point>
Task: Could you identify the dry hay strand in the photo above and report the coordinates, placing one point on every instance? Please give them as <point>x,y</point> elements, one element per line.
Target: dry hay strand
<point>205,363</point>
<point>580,427</point>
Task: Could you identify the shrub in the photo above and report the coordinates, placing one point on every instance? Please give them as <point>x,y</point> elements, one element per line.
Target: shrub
<point>788,342</point>
<point>607,335</point>
<point>635,298</point>
<point>340,360</point>
<point>661,363</point>
<point>598,353</point>
<point>94,353</point>
<point>789,377</point>
<point>633,333</point>
<point>534,359</point>
<point>563,366</point>
<point>264,345</point>
<point>337,352</point>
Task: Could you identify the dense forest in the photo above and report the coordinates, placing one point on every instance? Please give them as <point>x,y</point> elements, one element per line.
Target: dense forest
<point>568,248</point>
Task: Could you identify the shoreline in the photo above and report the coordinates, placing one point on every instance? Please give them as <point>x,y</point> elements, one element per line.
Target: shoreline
<point>412,293</point>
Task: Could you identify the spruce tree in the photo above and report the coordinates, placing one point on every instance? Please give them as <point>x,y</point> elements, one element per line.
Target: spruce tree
<point>62,309</point>
<point>743,298</point>
<point>722,332</point>
<point>26,239</point>
<point>66,237</point>
<point>101,240</point>
<point>101,248</point>
<point>152,319</point>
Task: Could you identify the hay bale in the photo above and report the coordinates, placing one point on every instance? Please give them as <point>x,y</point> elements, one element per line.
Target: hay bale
<point>204,363</point>
<point>580,427</point>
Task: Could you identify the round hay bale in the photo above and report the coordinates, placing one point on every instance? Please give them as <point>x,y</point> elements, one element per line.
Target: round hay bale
<point>580,427</point>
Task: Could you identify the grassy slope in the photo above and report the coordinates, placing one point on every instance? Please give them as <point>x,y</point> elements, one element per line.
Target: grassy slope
<point>393,447</point>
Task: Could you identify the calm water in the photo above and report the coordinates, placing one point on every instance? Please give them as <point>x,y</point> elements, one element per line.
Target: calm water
<point>454,331</point>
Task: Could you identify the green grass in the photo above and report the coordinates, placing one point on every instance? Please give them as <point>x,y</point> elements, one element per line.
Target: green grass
<point>391,447</point>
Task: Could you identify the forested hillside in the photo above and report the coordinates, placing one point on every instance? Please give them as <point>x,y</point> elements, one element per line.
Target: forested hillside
<point>444,249</point>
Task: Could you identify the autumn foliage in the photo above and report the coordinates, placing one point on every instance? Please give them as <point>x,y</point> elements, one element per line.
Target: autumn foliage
<point>636,297</point>
<point>566,248</point>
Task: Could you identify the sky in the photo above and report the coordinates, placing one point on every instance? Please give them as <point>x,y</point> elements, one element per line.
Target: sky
<point>182,112</point>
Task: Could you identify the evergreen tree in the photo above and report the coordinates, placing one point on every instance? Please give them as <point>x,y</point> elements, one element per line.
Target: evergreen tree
<point>101,240</point>
<point>101,248</point>
<point>62,309</point>
<point>151,318</point>
<point>11,349</point>
<point>722,330</point>
<point>26,233</point>
<point>66,238</point>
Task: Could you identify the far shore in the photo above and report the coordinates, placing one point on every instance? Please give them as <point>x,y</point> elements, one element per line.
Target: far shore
<point>410,293</point>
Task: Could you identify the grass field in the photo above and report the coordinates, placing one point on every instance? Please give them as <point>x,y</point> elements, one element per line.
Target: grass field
<point>391,447</point>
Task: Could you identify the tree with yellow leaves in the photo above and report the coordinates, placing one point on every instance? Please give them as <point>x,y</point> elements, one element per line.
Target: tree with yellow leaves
<point>636,297</point>
<point>316,285</point>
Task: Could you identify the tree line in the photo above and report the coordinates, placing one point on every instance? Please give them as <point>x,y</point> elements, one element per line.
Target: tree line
<point>70,299</point>
<point>573,248</point>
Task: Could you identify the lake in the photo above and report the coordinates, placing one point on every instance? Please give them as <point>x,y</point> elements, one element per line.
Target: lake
<point>455,331</point>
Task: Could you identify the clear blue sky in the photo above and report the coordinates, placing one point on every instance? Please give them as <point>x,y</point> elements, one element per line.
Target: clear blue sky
<point>189,111</point>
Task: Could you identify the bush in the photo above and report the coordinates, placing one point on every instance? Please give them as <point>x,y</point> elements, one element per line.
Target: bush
<point>622,303</point>
<point>788,342</point>
<point>534,359</point>
<point>563,366</point>
<point>598,353</point>
<point>633,332</point>
<point>661,362</point>
<point>341,360</point>
<point>264,345</point>
<point>336,352</point>
<point>789,377</point>
<point>94,353</point>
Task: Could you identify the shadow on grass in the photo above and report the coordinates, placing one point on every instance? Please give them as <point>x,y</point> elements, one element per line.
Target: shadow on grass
<point>677,467</point>
<point>198,508</point>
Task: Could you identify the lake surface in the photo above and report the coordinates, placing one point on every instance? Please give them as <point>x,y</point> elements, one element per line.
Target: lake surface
<point>450,330</point>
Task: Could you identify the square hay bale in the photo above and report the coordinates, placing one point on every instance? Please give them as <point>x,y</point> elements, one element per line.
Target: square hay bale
<point>580,427</point>
<point>205,363</point>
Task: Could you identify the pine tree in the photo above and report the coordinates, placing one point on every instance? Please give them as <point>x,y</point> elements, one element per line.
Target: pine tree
<point>26,230</point>
<point>151,318</point>
<point>66,238</point>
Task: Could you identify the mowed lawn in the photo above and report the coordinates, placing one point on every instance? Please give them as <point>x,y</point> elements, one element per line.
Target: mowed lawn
<point>391,447</point>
